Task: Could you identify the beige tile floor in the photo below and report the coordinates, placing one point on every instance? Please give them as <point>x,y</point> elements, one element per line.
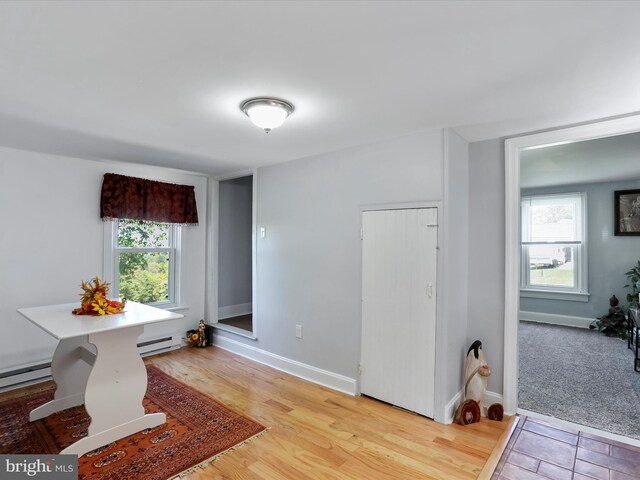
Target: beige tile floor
<point>542,451</point>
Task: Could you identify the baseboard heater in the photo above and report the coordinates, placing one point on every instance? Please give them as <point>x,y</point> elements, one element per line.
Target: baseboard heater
<point>41,372</point>
<point>25,376</point>
<point>159,345</point>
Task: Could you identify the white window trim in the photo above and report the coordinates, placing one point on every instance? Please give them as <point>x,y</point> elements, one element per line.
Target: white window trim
<point>579,293</point>
<point>554,295</point>
<point>110,262</point>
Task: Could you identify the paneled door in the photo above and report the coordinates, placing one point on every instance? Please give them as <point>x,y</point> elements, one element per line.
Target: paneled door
<point>399,264</point>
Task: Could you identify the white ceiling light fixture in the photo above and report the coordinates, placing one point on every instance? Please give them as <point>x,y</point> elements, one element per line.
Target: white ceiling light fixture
<point>267,113</point>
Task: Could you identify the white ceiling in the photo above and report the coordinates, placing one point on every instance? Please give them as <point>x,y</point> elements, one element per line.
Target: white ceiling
<point>601,160</point>
<point>161,82</point>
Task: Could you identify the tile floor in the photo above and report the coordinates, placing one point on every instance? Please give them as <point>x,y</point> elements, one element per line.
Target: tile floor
<point>542,451</point>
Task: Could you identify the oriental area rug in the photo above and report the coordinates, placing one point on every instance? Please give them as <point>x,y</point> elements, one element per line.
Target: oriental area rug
<point>198,429</point>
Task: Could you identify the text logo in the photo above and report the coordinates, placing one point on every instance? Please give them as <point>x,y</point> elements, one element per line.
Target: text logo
<point>45,467</point>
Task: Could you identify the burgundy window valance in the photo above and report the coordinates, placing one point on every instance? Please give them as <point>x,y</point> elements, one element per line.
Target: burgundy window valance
<point>141,199</point>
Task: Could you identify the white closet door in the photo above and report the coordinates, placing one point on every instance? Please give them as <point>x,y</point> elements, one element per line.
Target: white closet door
<point>399,257</point>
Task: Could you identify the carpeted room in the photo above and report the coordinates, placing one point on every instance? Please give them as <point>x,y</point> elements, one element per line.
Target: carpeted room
<point>378,112</point>
<point>580,284</point>
<point>578,375</point>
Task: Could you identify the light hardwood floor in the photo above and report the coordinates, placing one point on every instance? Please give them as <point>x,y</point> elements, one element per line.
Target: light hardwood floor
<point>317,433</point>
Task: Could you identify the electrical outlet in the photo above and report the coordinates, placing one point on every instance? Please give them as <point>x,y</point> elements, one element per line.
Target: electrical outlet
<point>298,331</point>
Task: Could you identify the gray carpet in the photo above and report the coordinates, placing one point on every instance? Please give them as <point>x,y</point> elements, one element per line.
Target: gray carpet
<point>579,375</point>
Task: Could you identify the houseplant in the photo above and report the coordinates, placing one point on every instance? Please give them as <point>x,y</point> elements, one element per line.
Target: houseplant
<point>633,277</point>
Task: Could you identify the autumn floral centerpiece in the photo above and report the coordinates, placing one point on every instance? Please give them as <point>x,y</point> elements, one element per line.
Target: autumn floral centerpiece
<point>94,299</point>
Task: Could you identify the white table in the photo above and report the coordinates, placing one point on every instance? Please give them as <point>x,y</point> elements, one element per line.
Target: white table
<point>110,379</point>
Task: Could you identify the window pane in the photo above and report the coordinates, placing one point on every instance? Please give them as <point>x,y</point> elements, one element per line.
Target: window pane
<point>552,222</point>
<point>551,265</point>
<point>140,233</point>
<point>144,277</point>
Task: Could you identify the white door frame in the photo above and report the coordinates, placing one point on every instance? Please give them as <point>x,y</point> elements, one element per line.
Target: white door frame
<point>212,251</point>
<point>439,400</point>
<point>513,147</point>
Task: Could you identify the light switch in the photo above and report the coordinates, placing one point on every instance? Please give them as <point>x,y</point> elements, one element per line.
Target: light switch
<point>263,232</point>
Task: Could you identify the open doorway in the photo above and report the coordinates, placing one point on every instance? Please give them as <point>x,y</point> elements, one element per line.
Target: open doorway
<point>573,264</point>
<point>235,252</point>
<point>559,277</point>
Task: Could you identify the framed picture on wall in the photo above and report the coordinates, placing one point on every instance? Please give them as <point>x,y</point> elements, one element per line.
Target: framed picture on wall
<point>627,205</point>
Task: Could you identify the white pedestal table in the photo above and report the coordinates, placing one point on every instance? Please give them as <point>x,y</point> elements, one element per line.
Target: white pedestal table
<point>97,364</point>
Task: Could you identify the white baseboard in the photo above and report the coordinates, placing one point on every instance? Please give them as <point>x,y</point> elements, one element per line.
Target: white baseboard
<point>565,320</point>
<point>299,369</point>
<point>450,410</point>
<point>235,310</point>
<point>491,397</point>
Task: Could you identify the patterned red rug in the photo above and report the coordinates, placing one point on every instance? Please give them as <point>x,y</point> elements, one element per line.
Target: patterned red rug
<point>198,429</point>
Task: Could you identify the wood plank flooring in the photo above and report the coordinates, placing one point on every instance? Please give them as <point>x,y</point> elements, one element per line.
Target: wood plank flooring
<point>245,322</point>
<point>317,433</point>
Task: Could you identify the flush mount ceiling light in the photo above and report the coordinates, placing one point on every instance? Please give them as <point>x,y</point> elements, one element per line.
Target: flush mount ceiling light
<point>267,113</point>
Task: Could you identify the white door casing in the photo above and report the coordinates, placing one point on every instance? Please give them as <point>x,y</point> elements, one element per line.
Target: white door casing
<point>513,149</point>
<point>399,262</point>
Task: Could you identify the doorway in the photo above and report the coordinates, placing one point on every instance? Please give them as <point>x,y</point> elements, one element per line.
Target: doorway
<point>516,150</point>
<point>235,255</point>
<point>399,264</point>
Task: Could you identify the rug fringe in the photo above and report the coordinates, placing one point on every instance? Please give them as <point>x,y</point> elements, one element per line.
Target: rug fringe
<point>208,461</point>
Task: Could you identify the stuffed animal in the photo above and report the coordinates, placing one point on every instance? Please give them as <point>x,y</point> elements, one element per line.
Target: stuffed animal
<point>476,376</point>
<point>476,373</point>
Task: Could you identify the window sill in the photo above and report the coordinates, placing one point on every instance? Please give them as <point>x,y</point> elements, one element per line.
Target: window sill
<point>555,295</point>
<point>171,307</point>
<point>176,308</point>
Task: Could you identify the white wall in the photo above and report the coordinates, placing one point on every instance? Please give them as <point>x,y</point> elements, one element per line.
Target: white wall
<point>52,238</point>
<point>455,275</point>
<point>309,264</point>
<point>486,253</point>
<point>235,222</point>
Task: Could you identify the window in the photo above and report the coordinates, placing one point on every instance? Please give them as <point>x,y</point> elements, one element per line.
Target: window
<point>144,261</point>
<point>553,246</point>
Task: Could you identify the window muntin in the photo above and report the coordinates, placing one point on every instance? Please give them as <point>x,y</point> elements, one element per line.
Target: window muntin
<point>145,256</point>
<point>553,243</point>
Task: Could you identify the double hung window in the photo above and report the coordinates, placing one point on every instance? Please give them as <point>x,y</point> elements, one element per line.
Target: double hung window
<point>145,261</point>
<point>553,245</point>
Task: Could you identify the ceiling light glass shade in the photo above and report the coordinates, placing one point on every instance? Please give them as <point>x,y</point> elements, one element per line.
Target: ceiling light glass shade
<point>267,113</point>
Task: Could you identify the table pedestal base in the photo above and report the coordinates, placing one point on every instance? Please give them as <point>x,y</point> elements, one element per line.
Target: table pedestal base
<point>111,383</point>
<point>70,372</point>
<point>96,440</point>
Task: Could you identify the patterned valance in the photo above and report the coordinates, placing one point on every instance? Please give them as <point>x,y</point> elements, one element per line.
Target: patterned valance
<point>141,199</point>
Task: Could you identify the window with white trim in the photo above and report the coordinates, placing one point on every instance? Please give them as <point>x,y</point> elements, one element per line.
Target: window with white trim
<point>144,262</point>
<point>554,245</point>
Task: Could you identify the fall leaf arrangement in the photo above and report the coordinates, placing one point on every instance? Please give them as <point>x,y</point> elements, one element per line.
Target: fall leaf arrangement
<point>94,300</point>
